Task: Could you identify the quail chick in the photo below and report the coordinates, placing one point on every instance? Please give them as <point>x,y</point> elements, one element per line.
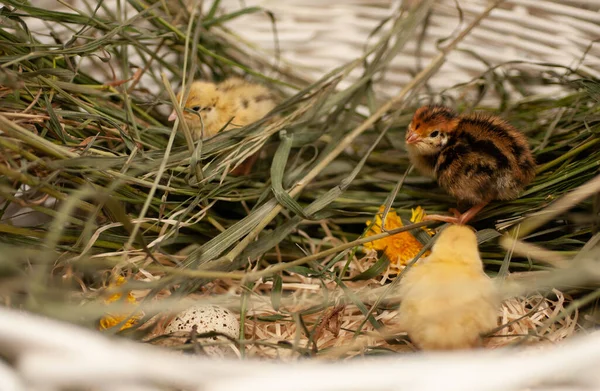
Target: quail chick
<point>211,108</point>
<point>254,101</point>
<point>476,158</point>
<point>447,299</point>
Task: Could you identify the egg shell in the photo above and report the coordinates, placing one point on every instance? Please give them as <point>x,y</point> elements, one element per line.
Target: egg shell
<point>208,318</point>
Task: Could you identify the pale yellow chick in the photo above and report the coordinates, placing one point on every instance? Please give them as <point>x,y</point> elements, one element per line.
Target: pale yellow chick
<point>234,103</point>
<point>447,299</point>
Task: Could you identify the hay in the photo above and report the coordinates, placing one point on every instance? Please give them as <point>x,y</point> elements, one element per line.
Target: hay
<point>339,331</point>
<point>96,183</point>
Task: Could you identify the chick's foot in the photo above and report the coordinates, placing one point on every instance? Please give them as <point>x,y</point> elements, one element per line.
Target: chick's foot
<point>468,215</point>
<point>459,218</point>
<point>455,212</point>
<point>443,218</point>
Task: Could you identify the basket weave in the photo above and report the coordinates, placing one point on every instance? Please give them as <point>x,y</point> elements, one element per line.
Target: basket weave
<point>48,355</point>
<point>316,36</point>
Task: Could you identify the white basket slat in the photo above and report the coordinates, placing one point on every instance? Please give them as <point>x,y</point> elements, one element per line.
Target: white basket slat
<point>520,30</point>
<point>51,355</point>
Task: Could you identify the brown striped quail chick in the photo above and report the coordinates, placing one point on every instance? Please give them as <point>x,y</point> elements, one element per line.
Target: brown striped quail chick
<point>475,158</point>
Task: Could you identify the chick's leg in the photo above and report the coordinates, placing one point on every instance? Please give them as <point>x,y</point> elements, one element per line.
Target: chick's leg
<point>459,218</point>
<point>445,219</point>
<point>468,215</point>
<point>455,212</point>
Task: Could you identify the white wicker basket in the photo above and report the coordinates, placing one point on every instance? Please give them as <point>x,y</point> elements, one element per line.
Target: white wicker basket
<point>315,36</point>
<point>46,355</point>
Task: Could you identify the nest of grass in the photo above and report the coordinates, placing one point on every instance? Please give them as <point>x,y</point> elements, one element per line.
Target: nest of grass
<point>95,183</point>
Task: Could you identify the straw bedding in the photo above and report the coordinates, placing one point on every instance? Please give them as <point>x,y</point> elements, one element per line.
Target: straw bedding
<point>97,184</point>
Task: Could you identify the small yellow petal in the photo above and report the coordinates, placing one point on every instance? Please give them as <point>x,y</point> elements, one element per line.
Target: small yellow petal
<point>418,214</point>
<point>111,321</point>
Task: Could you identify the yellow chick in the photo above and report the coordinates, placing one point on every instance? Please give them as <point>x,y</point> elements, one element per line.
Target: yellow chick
<point>211,108</point>
<point>447,299</point>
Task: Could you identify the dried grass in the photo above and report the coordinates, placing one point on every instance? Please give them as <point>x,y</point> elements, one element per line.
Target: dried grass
<point>118,191</point>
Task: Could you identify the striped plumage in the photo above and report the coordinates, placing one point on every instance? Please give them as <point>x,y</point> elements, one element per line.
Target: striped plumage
<point>476,158</point>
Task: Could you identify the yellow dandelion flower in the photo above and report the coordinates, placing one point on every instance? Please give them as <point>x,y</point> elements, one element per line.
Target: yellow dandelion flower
<point>111,320</point>
<point>400,248</point>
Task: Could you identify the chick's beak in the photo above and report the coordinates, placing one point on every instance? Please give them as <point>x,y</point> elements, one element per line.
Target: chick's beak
<point>173,116</point>
<point>412,138</point>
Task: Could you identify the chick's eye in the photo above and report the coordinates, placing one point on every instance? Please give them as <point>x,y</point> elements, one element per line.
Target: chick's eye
<point>435,133</point>
<point>196,108</point>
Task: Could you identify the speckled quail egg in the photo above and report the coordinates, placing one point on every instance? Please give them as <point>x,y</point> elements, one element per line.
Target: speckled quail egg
<point>208,318</point>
